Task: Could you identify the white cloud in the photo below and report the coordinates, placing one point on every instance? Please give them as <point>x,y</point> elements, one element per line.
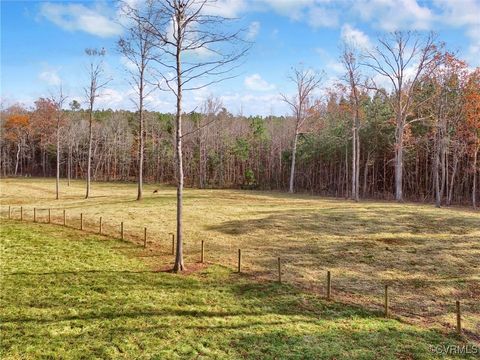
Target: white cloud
<point>335,67</point>
<point>459,12</point>
<point>463,14</point>
<point>226,8</point>
<point>256,83</point>
<point>322,17</point>
<point>390,15</point>
<point>50,77</point>
<point>314,12</point>
<point>354,36</point>
<point>111,98</point>
<point>249,104</point>
<point>253,30</point>
<point>291,8</point>
<point>77,17</point>
<point>129,64</point>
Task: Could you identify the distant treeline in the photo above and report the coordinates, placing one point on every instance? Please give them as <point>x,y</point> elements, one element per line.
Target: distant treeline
<point>222,150</point>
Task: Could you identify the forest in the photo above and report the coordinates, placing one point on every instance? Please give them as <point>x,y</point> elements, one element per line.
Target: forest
<point>222,150</point>
<point>402,122</point>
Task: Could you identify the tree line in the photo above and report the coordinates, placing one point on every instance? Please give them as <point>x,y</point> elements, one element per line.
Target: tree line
<point>403,122</point>
<point>255,152</point>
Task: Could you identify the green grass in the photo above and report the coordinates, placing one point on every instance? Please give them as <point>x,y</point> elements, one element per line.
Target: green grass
<point>428,256</point>
<point>67,294</point>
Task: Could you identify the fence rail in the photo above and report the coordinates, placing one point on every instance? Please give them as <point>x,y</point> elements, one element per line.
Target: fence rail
<point>120,231</point>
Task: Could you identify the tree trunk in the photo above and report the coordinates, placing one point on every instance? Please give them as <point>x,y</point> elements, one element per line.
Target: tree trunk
<point>140,148</point>
<point>57,181</point>
<point>89,159</point>
<point>365,175</point>
<point>436,177</point>
<point>452,179</point>
<point>18,157</point>
<point>179,265</point>
<point>346,170</point>
<point>399,160</point>
<point>354,162</point>
<point>292,168</point>
<point>69,165</point>
<point>474,186</point>
<point>357,166</point>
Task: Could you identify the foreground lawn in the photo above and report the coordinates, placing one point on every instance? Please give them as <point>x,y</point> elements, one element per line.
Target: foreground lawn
<point>70,295</point>
<point>428,256</point>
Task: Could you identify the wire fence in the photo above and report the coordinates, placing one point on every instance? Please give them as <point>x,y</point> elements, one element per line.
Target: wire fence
<point>460,315</point>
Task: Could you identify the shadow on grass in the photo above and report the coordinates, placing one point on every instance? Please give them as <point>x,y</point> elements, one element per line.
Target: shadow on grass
<point>84,307</point>
<point>343,221</point>
<point>252,320</point>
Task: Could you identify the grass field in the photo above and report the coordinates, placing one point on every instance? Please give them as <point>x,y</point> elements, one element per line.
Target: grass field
<point>69,295</point>
<point>428,256</point>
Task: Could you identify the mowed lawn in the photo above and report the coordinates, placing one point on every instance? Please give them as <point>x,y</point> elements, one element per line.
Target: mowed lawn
<point>70,295</point>
<point>427,256</point>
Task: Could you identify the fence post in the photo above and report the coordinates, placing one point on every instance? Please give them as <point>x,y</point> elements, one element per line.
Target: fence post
<point>9,213</point>
<point>121,230</point>
<point>239,261</point>
<point>459,318</point>
<point>49,216</point>
<point>21,212</point>
<point>173,244</point>
<point>329,285</point>
<point>64,218</point>
<point>81,221</point>
<point>386,300</point>
<point>144,237</point>
<point>100,226</point>
<point>279,271</point>
<point>34,214</point>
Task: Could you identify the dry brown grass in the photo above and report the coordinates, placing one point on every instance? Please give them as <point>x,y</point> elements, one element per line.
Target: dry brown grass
<point>428,256</point>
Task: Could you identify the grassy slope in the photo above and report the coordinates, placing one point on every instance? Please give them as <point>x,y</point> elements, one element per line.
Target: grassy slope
<point>428,256</point>
<point>71,295</point>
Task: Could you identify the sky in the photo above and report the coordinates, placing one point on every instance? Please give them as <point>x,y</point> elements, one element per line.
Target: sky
<point>43,42</point>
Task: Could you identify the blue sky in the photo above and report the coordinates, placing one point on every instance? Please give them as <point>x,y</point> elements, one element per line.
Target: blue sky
<point>42,45</point>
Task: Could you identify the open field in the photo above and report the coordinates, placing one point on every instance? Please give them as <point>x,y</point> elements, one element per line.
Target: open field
<point>428,256</point>
<point>67,294</point>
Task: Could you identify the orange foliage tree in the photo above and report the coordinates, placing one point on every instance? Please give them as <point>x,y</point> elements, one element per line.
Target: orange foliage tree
<point>43,120</point>
<point>17,129</point>
<point>472,125</point>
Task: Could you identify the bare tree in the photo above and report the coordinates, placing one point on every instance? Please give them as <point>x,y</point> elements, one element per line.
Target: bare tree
<point>350,62</point>
<point>306,81</point>
<point>71,137</point>
<point>96,83</point>
<point>402,58</point>
<point>196,49</point>
<point>210,109</point>
<point>59,101</point>
<point>137,47</point>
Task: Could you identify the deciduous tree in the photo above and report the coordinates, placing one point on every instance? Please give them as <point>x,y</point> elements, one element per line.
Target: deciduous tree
<point>305,81</point>
<point>402,58</point>
<point>97,82</point>
<point>196,49</point>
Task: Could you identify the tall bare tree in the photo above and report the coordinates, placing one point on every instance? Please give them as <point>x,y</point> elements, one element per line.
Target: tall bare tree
<point>137,46</point>
<point>59,101</point>
<point>70,134</point>
<point>196,49</point>
<point>350,62</point>
<point>447,106</point>
<point>306,81</point>
<point>201,123</point>
<point>402,58</point>
<point>92,92</point>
